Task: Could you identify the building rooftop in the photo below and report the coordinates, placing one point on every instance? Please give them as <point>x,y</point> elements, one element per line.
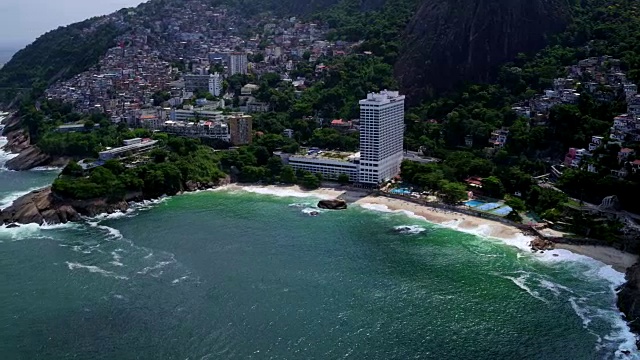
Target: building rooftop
<point>328,155</point>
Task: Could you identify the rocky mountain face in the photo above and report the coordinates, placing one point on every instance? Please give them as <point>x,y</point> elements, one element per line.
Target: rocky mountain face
<point>629,298</point>
<point>453,41</point>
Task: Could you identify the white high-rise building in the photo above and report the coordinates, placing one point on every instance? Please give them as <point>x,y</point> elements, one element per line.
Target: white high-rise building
<point>238,63</point>
<point>215,84</point>
<point>381,136</point>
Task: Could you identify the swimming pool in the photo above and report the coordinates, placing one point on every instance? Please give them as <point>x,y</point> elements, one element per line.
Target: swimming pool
<point>474,203</point>
<point>401,191</point>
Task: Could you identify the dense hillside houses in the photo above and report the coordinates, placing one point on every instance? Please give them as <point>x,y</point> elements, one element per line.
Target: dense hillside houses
<point>168,58</point>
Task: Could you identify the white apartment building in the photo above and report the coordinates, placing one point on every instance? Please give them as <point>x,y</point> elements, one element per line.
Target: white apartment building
<point>381,136</point>
<point>215,84</point>
<point>238,63</point>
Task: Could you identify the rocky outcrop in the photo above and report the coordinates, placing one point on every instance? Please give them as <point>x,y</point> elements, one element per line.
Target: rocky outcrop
<point>538,244</point>
<point>38,207</point>
<point>43,207</point>
<point>629,298</point>
<point>336,204</point>
<point>17,140</point>
<point>453,41</point>
<point>28,158</point>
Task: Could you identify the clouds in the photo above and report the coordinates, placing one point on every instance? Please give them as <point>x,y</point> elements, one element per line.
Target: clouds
<point>22,21</point>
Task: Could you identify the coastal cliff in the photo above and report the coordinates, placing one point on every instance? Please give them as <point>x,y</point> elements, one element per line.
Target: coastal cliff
<point>629,298</point>
<point>44,207</point>
<point>29,155</point>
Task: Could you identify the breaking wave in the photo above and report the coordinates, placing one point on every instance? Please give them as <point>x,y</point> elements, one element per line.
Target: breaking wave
<point>409,229</point>
<point>95,269</point>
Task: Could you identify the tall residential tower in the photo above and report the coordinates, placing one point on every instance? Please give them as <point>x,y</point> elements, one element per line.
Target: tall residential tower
<point>381,136</point>
<point>238,63</point>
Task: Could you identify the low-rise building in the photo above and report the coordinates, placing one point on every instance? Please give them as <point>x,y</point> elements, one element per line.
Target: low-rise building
<point>135,148</point>
<point>499,138</point>
<point>328,163</point>
<point>248,89</point>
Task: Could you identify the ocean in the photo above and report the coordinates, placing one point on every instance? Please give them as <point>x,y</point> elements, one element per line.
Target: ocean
<point>245,275</point>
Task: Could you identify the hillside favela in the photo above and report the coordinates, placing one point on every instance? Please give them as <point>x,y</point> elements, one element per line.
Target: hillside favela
<point>329,179</point>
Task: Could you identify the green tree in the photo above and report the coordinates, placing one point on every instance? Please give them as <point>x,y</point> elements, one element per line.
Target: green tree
<point>288,175</point>
<point>516,204</point>
<point>452,193</point>
<point>310,182</point>
<point>343,179</point>
<point>493,187</point>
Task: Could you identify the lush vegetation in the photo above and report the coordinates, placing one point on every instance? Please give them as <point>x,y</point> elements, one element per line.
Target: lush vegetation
<point>165,171</point>
<point>58,54</point>
<point>98,131</point>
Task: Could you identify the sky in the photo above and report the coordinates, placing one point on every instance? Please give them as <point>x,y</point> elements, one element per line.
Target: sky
<point>22,21</point>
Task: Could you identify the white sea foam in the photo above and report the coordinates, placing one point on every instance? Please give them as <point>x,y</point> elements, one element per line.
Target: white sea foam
<point>301,205</point>
<point>46,168</point>
<point>555,288</point>
<point>180,279</point>
<point>520,282</point>
<point>95,269</point>
<point>385,209</point>
<point>311,211</point>
<point>409,229</point>
<point>159,265</point>
<point>111,232</point>
<point>283,192</point>
<point>32,230</point>
<point>117,258</point>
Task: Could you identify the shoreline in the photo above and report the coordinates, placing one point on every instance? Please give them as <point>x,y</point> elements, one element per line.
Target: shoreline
<point>617,259</point>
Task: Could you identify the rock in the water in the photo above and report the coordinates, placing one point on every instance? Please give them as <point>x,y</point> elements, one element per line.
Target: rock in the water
<point>541,245</point>
<point>336,204</point>
<point>13,225</point>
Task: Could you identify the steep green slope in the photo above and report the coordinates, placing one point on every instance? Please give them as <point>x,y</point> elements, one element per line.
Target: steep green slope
<point>60,53</point>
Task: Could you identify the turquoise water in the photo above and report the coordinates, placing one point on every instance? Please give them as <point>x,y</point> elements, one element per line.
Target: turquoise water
<point>401,191</point>
<point>238,275</point>
<point>474,203</point>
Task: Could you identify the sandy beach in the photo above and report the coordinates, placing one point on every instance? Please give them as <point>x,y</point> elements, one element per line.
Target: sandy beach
<point>619,260</point>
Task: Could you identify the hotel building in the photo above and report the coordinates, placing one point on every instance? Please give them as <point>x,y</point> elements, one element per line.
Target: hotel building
<point>381,136</point>
<point>381,144</point>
